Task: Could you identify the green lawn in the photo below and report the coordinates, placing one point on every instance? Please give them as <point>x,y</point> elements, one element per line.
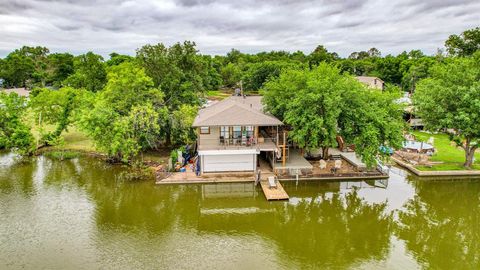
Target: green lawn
<point>218,94</point>
<point>446,151</point>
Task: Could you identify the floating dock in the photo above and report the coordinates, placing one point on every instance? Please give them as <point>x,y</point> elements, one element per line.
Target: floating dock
<point>274,194</point>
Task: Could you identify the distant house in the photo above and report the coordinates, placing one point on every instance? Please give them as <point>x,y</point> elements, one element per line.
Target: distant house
<point>372,82</point>
<point>233,133</point>
<point>20,91</point>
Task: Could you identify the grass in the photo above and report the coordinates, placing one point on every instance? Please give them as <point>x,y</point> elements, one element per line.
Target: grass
<point>74,139</point>
<point>218,94</point>
<point>62,155</point>
<point>451,156</point>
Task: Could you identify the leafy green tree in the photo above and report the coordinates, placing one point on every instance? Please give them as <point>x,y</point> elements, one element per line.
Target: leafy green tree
<point>116,59</point>
<point>176,70</point>
<point>321,54</point>
<point>450,100</point>
<point>258,73</point>
<point>321,104</point>
<point>60,67</point>
<point>231,74</point>
<point>212,80</point>
<point>16,69</point>
<point>182,120</point>
<point>129,114</point>
<point>14,133</point>
<point>416,70</point>
<point>465,44</point>
<point>90,73</point>
<point>59,108</point>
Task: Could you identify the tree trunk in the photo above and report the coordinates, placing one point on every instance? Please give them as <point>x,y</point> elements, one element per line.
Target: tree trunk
<point>324,152</point>
<point>469,153</point>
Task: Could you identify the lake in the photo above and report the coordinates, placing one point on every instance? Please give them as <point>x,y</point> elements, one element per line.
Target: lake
<point>85,214</point>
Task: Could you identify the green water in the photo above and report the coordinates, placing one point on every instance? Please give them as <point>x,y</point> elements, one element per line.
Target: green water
<point>83,214</point>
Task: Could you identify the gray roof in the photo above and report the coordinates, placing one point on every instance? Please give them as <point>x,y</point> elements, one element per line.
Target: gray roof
<point>236,111</point>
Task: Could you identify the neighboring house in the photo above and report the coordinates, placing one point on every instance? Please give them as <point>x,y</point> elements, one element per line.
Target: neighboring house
<point>20,91</point>
<point>409,113</point>
<point>372,82</point>
<point>233,133</point>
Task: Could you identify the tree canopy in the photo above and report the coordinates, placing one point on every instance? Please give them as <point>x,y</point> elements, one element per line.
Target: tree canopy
<point>450,100</point>
<point>14,133</point>
<point>464,44</point>
<point>321,103</point>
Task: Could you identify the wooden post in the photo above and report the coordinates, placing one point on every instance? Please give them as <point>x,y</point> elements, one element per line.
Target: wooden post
<point>284,158</point>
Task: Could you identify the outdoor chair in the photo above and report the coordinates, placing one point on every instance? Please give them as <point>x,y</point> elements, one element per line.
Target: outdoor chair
<point>271,182</point>
<point>338,164</point>
<point>323,164</point>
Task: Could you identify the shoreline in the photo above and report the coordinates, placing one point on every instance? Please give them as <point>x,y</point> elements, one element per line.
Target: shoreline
<point>417,172</point>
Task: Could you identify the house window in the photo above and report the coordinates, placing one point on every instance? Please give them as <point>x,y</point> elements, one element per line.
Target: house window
<point>249,130</point>
<point>237,132</point>
<point>224,132</point>
<point>204,130</point>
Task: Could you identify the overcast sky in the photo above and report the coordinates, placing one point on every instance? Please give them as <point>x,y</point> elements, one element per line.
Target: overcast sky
<point>104,26</point>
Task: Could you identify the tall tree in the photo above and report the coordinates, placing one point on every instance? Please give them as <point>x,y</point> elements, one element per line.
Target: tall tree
<point>60,67</point>
<point>128,115</point>
<point>59,108</point>
<point>321,54</point>
<point>178,71</point>
<point>258,73</point>
<point>90,72</point>
<point>450,100</point>
<point>17,69</point>
<point>322,103</point>
<point>464,44</point>
<point>14,133</point>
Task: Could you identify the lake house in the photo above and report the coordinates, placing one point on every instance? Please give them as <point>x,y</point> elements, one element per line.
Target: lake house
<point>234,132</point>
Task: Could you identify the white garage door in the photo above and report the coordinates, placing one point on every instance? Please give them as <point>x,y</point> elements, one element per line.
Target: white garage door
<point>228,163</point>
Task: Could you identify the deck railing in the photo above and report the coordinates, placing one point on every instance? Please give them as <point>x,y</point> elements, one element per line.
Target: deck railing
<point>233,143</point>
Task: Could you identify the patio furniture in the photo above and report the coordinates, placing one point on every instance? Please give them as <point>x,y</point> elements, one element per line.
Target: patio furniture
<point>338,164</point>
<point>323,164</point>
<point>271,182</point>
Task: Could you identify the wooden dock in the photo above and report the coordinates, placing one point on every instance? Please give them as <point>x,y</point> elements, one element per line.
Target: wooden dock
<point>274,194</point>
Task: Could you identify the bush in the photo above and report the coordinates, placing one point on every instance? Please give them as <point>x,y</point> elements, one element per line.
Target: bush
<point>62,155</point>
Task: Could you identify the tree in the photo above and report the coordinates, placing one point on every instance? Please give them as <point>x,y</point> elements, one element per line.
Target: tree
<point>321,54</point>
<point>450,100</point>
<point>90,73</point>
<point>414,70</point>
<point>116,59</point>
<point>182,121</point>
<point>258,73</point>
<point>14,133</point>
<point>16,69</point>
<point>231,75</point>
<point>60,67</point>
<point>321,104</point>
<point>59,108</point>
<point>128,115</point>
<point>464,44</point>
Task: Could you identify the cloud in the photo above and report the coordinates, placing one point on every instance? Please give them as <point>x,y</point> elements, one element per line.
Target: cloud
<point>104,26</point>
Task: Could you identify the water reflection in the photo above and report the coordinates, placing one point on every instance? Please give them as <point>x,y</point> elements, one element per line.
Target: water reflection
<point>441,224</point>
<point>84,213</point>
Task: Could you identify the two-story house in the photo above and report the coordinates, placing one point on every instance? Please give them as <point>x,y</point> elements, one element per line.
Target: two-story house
<point>233,133</point>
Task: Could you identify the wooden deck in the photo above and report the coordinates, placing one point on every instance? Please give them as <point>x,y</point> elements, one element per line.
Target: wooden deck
<point>192,178</point>
<point>274,194</point>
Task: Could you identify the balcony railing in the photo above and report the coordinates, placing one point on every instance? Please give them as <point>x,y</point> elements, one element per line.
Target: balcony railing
<point>235,143</point>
